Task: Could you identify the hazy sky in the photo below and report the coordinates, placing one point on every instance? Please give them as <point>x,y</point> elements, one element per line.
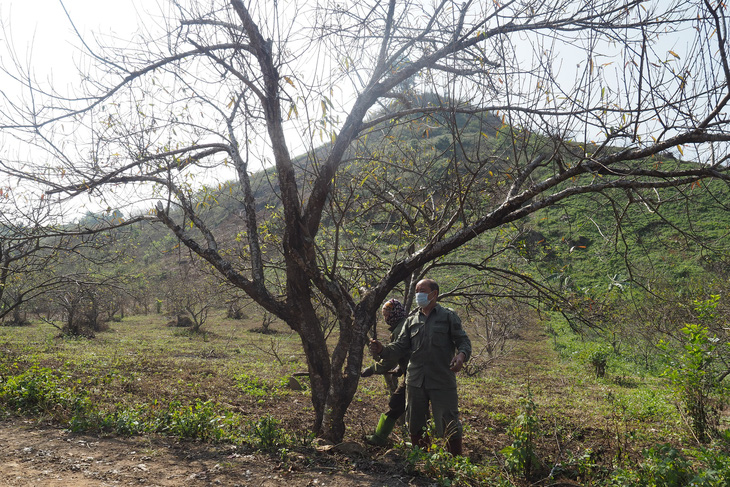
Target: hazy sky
<point>41,34</point>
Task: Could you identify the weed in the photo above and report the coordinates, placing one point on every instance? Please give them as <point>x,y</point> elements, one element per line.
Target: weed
<point>599,360</point>
<point>520,457</point>
<point>39,391</point>
<point>126,422</point>
<point>266,434</point>
<point>717,467</point>
<point>662,467</point>
<point>693,380</point>
<point>199,420</point>
<point>254,386</point>
<point>447,470</point>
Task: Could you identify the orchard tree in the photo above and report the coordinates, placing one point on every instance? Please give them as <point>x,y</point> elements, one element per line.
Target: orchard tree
<point>40,256</point>
<point>534,103</point>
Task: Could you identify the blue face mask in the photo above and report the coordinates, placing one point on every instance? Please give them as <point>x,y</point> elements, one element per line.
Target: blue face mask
<point>422,299</point>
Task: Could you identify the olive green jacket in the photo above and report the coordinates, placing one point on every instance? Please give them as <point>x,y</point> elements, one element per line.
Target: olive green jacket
<point>431,342</point>
<point>383,366</point>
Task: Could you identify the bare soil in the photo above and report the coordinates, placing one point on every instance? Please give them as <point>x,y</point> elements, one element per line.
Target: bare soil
<point>42,455</point>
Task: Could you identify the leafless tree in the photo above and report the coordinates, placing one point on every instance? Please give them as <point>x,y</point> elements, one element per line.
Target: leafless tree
<point>36,256</point>
<point>590,93</point>
<point>191,293</point>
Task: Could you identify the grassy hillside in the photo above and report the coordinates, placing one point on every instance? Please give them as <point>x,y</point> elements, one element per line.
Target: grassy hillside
<point>582,318</point>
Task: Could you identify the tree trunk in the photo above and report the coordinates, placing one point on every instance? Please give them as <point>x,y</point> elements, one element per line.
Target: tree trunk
<point>315,349</point>
<point>345,379</point>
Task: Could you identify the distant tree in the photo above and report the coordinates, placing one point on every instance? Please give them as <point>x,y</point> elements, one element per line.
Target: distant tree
<point>589,94</point>
<point>191,293</point>
<point>39,258</point>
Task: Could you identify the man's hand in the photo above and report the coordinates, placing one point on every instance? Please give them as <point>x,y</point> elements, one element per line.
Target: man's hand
<point>366,372</point>
<point>457,362</point>
<point>397,371</point>
<point>375,347</point>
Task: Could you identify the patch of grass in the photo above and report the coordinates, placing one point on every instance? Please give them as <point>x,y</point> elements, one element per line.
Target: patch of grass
<point>41,391</point>
<point>257,387</point>
<point>644,404</point>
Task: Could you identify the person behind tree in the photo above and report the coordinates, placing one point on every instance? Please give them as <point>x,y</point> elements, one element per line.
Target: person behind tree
<point>395,315</point>
<point>438,347</point>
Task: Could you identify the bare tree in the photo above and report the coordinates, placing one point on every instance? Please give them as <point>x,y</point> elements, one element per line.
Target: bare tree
<point>38,256</point>
<point>191,293</point>
<point>236,84</point>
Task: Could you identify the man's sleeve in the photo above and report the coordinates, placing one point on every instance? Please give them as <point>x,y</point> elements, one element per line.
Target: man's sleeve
<point>383,366</point>
<point>398,348</point>
<point>459,336</point>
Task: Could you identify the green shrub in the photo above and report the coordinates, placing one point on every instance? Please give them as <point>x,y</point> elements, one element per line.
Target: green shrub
<point>448,470</point>
<point>599,360</point>
<point>125,421</point>
<point>716,468</point>
<point>199,420</point>
<point>266,434</point>
<point>520,457</point>
<point>693,380</point>
<point>664,466</point>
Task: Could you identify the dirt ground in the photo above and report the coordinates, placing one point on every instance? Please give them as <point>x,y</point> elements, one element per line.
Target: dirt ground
<point>33,455</point>
<point>39,454</point>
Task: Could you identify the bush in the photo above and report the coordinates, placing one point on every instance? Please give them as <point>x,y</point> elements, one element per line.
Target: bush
<point>197,421</point>
<point>266,434</point>
<point>520,457</point>
<point>693,380</point>
<point>664,466</point>
<point>448,470</point>
<point>599,360</point>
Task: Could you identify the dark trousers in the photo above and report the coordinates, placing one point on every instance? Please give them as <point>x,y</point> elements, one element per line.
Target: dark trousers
<point>397,402</point>
<point>445,406</point>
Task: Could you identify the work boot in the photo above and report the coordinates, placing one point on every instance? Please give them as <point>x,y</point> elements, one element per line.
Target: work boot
<point>454,445</point>
<point>385,426</point>
<point>418,440</point>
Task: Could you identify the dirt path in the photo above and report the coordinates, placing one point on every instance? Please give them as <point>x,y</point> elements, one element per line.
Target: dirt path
<point>43,456</point>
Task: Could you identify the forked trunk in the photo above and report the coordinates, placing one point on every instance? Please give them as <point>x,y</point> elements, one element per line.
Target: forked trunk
<point>345,376</point>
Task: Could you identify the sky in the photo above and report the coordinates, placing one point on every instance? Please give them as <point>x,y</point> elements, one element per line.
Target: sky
<point>40,32</point>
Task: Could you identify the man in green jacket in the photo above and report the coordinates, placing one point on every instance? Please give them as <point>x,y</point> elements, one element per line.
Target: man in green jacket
<point>438,347</point>
<point>395,315</point>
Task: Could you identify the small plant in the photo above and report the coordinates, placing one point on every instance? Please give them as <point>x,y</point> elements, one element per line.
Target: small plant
<point>200,420</point>
<point>717,467</point>
<point>599,360</point>
<point>663,466</point>
<point>267,434</point>
<point>692,378</point>
<point>124,421</point>
<point>520,457</point>
<point>447,470</point>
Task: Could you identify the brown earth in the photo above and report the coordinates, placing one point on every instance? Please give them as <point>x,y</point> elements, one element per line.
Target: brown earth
<point>37,455</point>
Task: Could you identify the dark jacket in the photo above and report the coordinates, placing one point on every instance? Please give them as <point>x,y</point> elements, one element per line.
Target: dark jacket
<point>431,342</point>
<point>382,366</point>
